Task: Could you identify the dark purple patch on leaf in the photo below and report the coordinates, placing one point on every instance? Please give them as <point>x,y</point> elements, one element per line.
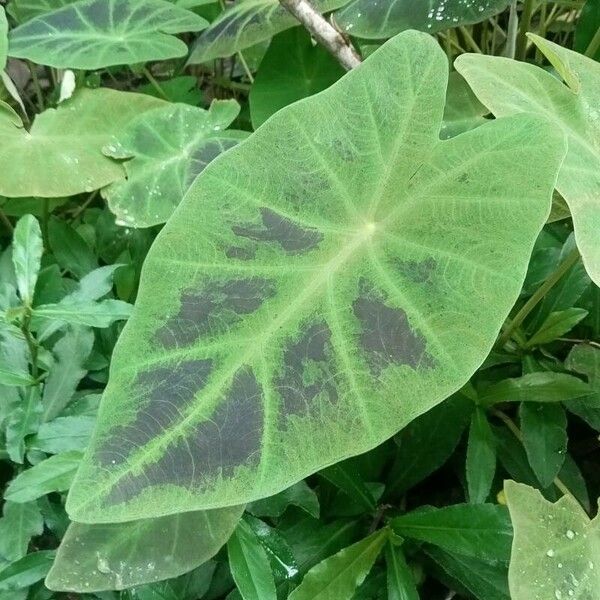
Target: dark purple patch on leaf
<point>231,437</point>
<point>213,308</point>
<point>275,228</point>
<point>308,372</point>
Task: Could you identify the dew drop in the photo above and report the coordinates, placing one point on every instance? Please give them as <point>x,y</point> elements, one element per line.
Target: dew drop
<point>550,553</point>
<point>570,534</point>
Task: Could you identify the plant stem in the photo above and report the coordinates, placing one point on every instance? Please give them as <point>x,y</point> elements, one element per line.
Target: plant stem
<point>469,39</point>
<point>325,33</point>
<point>594,45</point>
<point>31,343</point>
<point>6,222</point>
<point>154,83</point>
<point>512,426</point>
<point>538,295</point>
<point>521,50</point>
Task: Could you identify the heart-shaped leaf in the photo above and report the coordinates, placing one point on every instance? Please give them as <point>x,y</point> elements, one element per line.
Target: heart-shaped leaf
<point>245,23</point>
<point>556,548</point>
<point>167,148</point>
<point>385,18</point>
<point>338,255</point>
<point>91,34</point>
<point>62,153</point>
<point>90,557</point>
<point>508,87</point>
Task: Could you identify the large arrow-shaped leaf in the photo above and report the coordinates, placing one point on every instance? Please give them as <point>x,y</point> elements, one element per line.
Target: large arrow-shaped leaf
<point>91,34</point>
<point>323,283</point>
<point>508,87</point>
<point>385,18</point>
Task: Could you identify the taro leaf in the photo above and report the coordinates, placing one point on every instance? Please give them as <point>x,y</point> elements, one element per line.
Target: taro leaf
<point>293,68</point>
<point>463,111</point>
<point>508,87</point>
<point>62,154</point>
<point>92,34</point>
<point>305,279</point>
<point>23,10</point>
<point>246,23</point>
<point>385,18</point>
<point>91,557</point>
<point>338,577</point>
<point>166,149</point>
<point>556,548</point>
<point>3,38</point>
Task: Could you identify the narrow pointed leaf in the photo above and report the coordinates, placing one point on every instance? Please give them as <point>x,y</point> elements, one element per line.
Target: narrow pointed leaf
<point>544,428</point>
<point>385,18</point>
<point>18,525</point>
<point>62,153</point>
<point>51,475</point>
<point>556,324</point>
<point>338,577</point>
<point>26,571</point>
<point>508,87</point>
<point>164,151</point>
<point>26,255</point>
<point>246,23</point>
<point>93,314</point>
<point>556,550</point>
<point>481,458</point>
<point>400,581</point>
<point>249,565</point>
<point>92,34</point>
<point>91,557</point>
<point>305,279</point>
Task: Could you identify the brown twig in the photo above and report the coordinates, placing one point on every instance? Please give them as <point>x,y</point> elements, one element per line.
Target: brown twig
<point>324,32</point>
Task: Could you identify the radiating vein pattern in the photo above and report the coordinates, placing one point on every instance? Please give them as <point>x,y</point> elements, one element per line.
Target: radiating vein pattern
<point>324,282</point>
<point>91,34</point>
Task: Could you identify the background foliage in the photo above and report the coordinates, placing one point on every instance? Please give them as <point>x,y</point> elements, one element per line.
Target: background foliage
<point>109,110</point>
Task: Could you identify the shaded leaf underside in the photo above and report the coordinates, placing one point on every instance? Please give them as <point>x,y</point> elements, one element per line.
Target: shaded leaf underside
<point>323,283</point>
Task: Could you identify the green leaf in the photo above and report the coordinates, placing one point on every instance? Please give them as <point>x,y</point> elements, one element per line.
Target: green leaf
<point>305,279</point>
<point>27,250</point>
<point>479,530</point>
<point>385,18</point>
<point>585,359</point>
<point>338,577</point>
<point>23,420</point>
<point>587,27</point>
<point>177,89</point>
<point>92,34</point>
<point>299,495</point>
<point>481,458</point>
<point>463,111</point>
<point>556,549</point>
<point>427,443</point>
<point>19,524</point>
<point>543,386</point>
<point>508,87</point>
<point>3,39</point>
<point>61,154</point>
<point>347,479</point>
<point>544,428</point>
<point>483,580</point>
<point>117,556</point>
<point>51,475</point>
<point>24,10</point>
<point>293,68</point>
<point>63,435</point>
<point>246,23</point>
<point>8,376</point>
<point>26,571</point>
<point>92,314</point>
<point>69,248</point>
<point>557,324</point>
<point>165,149</point>
<point>400,580</point>
<point>190,586</point>
<point>249,565</point>
<point>70,353</point>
